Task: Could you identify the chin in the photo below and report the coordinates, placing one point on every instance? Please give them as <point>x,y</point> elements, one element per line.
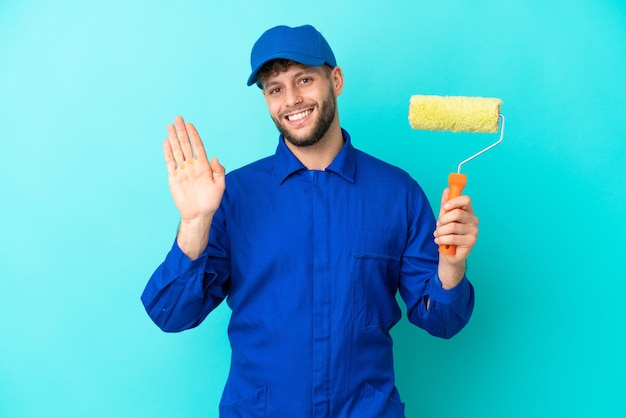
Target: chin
<point>301,142</point>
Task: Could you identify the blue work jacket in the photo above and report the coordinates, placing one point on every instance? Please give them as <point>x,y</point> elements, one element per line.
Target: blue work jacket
<point>310,263</point>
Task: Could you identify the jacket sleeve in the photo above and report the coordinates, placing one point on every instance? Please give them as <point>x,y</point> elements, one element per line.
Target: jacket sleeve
<point>182,292</point>
<point>448,310</point>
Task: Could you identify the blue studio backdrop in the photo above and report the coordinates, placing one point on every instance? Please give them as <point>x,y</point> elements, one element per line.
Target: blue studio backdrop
<point>87,88</point>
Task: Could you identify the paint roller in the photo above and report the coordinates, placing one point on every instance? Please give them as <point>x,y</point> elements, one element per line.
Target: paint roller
<point>457,114</point>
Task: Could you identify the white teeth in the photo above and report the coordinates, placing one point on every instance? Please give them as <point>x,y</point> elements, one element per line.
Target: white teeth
<point>298,116</point>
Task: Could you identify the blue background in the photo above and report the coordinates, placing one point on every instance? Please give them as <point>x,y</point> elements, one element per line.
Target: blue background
<point>86,89</point>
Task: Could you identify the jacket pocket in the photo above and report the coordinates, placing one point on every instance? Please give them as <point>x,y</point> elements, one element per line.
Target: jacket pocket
<point>377,259</point>
<point>376,404</point>
<point>252,406</point>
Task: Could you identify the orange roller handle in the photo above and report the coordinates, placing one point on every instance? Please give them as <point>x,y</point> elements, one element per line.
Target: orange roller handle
<point>457,182</point>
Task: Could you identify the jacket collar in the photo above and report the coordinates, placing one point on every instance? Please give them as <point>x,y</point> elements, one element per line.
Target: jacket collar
<point>344,163</point>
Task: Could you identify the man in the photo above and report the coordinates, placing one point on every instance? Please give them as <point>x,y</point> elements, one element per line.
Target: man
<point>309,247</point>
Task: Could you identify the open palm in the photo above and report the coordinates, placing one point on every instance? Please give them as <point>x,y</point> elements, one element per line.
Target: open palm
<point>197,184</point>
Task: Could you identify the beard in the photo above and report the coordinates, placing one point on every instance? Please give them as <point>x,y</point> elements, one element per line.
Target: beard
<point>327,116</point>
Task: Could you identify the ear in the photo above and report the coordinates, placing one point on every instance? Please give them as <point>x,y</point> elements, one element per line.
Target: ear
<point>336,79</point>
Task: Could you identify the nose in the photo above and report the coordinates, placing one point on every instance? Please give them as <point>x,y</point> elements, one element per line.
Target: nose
<point>293,97</point>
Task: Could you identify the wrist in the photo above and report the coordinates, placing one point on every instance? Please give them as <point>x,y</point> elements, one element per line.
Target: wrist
<point>450,275</point>
<point>193,236</point>
<point>197,223</point>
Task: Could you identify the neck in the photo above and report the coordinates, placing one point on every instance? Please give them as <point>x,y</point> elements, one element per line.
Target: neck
<point>320,155</point>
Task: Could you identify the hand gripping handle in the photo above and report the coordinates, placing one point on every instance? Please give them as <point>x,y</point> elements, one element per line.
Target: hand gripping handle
<point>457,182</point>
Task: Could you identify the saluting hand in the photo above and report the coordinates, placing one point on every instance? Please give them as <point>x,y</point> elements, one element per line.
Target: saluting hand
<point>197,184</point>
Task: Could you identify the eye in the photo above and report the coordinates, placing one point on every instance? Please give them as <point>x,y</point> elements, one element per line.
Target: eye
<point>273,91</point>
<point>305,80</point>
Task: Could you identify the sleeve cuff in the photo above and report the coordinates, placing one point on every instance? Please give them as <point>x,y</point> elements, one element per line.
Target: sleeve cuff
<point>459,293</point>
<point>178,258</point>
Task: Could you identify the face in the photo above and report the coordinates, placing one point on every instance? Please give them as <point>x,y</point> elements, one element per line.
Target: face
<point>302,102</point>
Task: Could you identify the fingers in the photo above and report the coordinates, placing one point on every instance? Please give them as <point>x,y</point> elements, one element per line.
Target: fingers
<point>184,145</point>
<point>183,138</point>
<point>177,151</point>
<point>185,142</point>
<point>460,202</point>
<point>168,154</point>
<point>196,143</point>
<point>450,209</point>
<point>457,233</point>
<point>457,221</point>
<point>444,199</point>
<point>445,195</point>
<point>218,170</point>
<point>457,224</point>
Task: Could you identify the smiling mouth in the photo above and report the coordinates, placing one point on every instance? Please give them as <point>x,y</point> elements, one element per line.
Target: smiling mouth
<point>298,116</point>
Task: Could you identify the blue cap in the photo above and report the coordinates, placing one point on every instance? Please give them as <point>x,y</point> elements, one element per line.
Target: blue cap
<point>303,44</point>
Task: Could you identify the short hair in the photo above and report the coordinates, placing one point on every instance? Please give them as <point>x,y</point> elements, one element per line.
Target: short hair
<point>279,65</point>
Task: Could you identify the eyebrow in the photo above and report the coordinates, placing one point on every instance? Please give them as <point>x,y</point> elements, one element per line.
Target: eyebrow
<point>304,71</point>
